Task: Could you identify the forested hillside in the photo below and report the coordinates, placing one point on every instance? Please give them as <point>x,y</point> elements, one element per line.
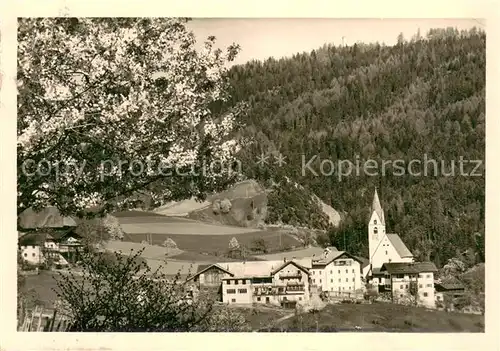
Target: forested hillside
<point>421,98</point>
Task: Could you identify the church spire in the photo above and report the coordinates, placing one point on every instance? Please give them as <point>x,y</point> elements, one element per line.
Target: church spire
<point>376,207</point>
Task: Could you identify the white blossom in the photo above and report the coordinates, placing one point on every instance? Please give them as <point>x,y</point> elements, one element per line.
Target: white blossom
<point>93,89</point>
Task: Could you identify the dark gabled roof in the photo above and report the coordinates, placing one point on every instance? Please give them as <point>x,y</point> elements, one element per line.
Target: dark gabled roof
<point>32,239</point>
<point>63,234</point>
<point>38,237</point>
<point>204,267</point>
<point>364,261</point>
<point>448,286</point>
<point>408,267</point>
<point>286,264</point>
<point>399,245</point>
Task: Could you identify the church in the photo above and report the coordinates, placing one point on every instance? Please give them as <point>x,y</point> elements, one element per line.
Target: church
<point>392,266</point>
<point>383,247</point>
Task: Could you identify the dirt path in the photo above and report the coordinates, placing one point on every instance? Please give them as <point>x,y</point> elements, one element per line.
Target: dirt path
<point>279,320</point>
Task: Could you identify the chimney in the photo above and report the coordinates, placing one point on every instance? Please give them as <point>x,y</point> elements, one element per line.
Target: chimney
<point>284,259</point>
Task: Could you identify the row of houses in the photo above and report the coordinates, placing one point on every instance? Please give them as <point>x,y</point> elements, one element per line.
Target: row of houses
<point>333,274</point>
<point>389,268</point>
<point>286,279</point>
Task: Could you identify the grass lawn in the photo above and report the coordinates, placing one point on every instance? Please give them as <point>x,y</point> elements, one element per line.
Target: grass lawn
<point>383,317</point>
<point>43,286</point>
<point>184,228</point>
<point>211,244</point>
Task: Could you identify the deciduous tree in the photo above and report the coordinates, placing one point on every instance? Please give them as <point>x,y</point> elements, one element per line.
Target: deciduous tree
<point>108,107</point>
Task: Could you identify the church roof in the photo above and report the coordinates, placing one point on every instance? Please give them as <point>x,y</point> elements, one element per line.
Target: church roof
<point>377,207</point>
<point>399,245</point>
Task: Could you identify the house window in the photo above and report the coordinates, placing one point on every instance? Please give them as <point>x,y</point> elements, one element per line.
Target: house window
<point>401,287</point>
<point>233,300</point>
<point>425,294</point>
<point>353,271</point>
<point>339,280</point>
<point>242,291</point>
<point>331,272</point>
<point>228,282</point>
<point>339,271</point>
<point>401,295</point>
<point>258,299</point>
<point>25,254</point>
<point>314,272</point>
<point>347,271</point>
<point>429,285</point>
<point>406,286</point>
<point>320,281</point>
<point>314,280</point>
<point>33,254</point>
<point>375,222</point>
<point>231,291</point>
<point>428,275</point>
<point>331,280</point>
<point>375,230</point>
<point>386,252</point>
<point>346,279</point>
<point>353,279</point>
<point>300,298</point>
<point>236,282</point>
<point>267,299</point>
<point>420,286</point>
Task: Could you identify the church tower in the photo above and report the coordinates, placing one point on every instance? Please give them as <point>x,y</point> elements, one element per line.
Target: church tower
<point>376,227</point>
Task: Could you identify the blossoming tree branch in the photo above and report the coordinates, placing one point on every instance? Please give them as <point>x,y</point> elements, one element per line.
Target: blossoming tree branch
<point>109,108</point>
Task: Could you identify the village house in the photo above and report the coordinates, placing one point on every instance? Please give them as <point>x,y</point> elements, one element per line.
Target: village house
<point>337,273</point>
<point>282,283</point>
<point>447,292</point>
<point>411,282</point>
<point>44,246</point>
<point>46,236</point>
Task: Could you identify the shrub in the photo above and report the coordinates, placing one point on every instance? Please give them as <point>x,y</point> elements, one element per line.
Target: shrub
<point>216,206</point>
<point>170,244</point>
<point>102,297</point>
<point>225,205</point>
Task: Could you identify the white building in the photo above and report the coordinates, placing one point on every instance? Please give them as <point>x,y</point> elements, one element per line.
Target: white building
<point>282,283</point>
<point>40,247</point>
<point>337,272</point>
<point>411,282</point>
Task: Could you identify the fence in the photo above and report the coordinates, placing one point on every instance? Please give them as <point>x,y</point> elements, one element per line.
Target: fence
<point>42,320</point>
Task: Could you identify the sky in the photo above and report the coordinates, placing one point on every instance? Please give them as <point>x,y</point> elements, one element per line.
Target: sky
<point>261,38</point>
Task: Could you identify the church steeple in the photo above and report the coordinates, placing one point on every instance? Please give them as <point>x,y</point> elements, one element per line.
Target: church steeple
<point>377,207</point>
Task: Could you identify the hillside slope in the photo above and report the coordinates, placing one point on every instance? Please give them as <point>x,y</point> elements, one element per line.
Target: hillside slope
<point>250,207</point>
<point>421,99</point>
